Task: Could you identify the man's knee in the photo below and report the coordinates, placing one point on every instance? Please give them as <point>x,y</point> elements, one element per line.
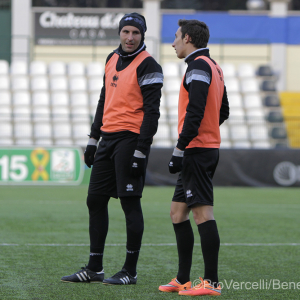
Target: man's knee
<point>179,212</point>
<point>202,213</point>
<point>95,202</point>
<point>133,213</point>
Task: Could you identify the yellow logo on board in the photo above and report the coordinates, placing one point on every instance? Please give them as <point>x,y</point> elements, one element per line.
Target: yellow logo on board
<point>40,164</point>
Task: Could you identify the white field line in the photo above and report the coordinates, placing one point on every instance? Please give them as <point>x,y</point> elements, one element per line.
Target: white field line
<point>158,245</point>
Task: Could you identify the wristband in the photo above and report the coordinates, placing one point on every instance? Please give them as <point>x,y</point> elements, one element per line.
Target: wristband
<point>92,142</point>
<point>139,154</point>
<point>178,152</point>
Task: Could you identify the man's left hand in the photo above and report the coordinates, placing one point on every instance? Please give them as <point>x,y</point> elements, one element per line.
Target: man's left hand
<point>175,164</point>
<point>138,164</point>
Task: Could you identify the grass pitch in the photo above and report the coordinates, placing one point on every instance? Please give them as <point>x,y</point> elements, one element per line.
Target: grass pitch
<point>44,236</point>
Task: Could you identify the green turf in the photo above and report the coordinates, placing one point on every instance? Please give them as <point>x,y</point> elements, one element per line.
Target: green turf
<point>58,215</point>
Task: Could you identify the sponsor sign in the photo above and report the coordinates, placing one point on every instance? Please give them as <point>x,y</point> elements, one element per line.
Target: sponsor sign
<point>286,173</point>
<point>260,168</point>
<point>70,28</point>
<point>41,166</point>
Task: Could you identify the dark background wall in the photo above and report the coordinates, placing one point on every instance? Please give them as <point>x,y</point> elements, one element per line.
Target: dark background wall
<point>5,25</point>
<point>237,167</point>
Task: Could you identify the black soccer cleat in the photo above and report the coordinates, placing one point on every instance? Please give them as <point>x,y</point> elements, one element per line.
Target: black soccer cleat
<point>85,275</point>
<point>122,277</point>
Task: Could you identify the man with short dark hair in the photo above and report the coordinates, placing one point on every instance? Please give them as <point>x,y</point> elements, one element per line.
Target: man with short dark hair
<point>125,122</point>
<point>202,108</point>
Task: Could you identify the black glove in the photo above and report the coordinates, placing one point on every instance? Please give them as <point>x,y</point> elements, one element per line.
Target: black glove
<point>175,164</point>
<point>89,153</point>
<point>137,164</point>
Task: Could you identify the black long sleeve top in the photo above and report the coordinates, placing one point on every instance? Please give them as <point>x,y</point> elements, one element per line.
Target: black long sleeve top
<point>198,91</point>
<point>151,92</point>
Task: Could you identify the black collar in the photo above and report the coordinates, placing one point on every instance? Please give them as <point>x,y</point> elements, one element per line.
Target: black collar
<point>196,53</point>
<point>126,55</point>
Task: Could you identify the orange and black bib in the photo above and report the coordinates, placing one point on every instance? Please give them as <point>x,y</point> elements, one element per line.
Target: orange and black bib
<point>123,107</point>
<point>208,132</point>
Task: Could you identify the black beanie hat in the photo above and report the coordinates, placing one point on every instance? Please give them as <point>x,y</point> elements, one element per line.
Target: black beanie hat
<point>136,20</point>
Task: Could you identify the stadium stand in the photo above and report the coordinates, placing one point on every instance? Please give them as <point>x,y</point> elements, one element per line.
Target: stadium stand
<point>40,113</point>
<point>278,133</point>
<point>275,116</point>
<point>57,101</point>
<point>163,115</point>
<point>6,129</point>
<point>4,67</point>
<point>183,67</point>
<point>5,98</point>
<point>252,100</point>
<point>232,85</point>
<point>18,68</point>
<point>268,86</point>
<point>172,84</point>
<point>228,70</point>
<point>21,98</point>
<point>77,84</point>
<point>76,69</point>
<point>62,130</point>
<point>93,84</point>
<point>61,113</point>
<point>265,71</point>
<point>255,116</point>
<point>19,83</point>
<point>22,113</point>
<point>245,71</point>
<point>271,101</point>
<point>235,100</point>
<point>4,83</point>
<point>249,85</point>
<point>40,98</point>
<point>38,68</point>
<point>57,68</point>
<point>241,144</point>
<point>95,69</point>
<point>39,83</point>
<point>22,130</point>
<point>5,113</point>
<point>58,83</point>
<point>79,99</point>
<point>171,69</point>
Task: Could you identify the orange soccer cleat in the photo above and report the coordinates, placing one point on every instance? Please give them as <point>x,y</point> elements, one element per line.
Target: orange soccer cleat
<point>204,288</point>
<point>175,286</point>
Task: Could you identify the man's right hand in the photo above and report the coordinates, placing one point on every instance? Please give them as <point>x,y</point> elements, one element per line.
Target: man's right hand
<point>89,153</point>
<point>175,164</point>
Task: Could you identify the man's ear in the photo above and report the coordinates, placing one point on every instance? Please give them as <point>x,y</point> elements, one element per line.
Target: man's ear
<point>187,38</point>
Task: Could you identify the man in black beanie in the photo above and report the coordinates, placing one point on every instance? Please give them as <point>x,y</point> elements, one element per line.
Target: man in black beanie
<point>135,20</point>
<point>125,122</point>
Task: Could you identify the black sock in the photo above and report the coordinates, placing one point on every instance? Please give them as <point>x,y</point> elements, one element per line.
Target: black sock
<point>98,228</point>
<point>131,261</point>
<point>95,262</point>
<point>210,244</point>
<point>185,243</point>
<point>134,228</point>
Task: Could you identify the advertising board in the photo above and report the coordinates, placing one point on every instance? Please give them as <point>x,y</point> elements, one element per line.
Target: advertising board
<point>41,166</point>
<point>76,28</point>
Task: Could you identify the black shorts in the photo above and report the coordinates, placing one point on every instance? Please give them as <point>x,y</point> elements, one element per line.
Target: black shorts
<point>194,184</point>
<point>111,169</point>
